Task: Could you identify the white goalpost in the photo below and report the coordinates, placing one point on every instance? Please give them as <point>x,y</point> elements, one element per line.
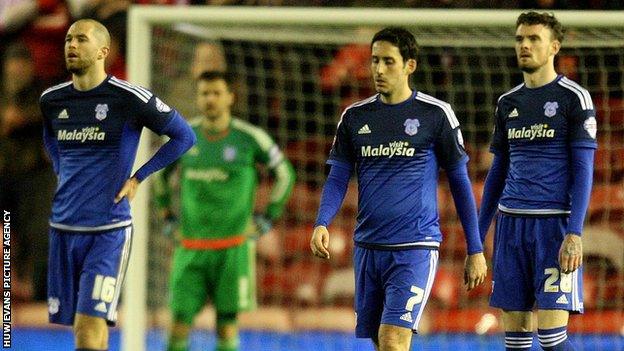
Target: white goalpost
<point>315,26</point>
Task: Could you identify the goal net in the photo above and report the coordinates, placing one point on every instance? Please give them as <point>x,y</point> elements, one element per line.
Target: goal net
<point>295,70</point>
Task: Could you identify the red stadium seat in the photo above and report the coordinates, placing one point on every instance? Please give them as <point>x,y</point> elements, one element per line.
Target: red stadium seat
<point>296,241</point>
<point>447,285</point>
<point>603,322</point>
<point>609,160</point>
<point>446,207</point>
<point>617,161</point>
<point>313,149</point>
<point>607,200</point>
<point>590,291</point>
<point>610,112</point>
<point>614,290</point>
<point>460,320</point>
<point>298,283</point>
<point>602,165</point>
<point>453,242</point>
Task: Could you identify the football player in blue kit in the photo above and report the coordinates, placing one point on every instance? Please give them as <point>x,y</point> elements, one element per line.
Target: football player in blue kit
<point>92,126</point>
<point>540,182</point>
<point>396,141</point>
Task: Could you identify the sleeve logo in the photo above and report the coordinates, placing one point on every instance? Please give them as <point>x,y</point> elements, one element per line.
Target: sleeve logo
<point>162,107</point>
<point>460,138</point>
<point>591,126</point>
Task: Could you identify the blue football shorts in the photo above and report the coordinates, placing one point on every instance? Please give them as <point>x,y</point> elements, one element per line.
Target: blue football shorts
<point>526,266</point>
<point>85,273</point>
<point>391,287</point>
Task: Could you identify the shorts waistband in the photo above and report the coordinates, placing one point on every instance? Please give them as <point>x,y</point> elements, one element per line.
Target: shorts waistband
<point>213,244</point>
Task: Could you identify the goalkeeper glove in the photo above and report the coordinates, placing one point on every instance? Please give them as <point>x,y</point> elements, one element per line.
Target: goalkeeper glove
<point>170,224</point>
<point>263,225</point>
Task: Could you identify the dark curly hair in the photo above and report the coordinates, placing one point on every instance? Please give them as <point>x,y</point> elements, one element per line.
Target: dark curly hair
<point>546,19</point>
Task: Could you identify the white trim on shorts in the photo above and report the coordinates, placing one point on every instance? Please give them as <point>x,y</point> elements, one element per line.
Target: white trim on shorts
<point>433,267</point>
<point>111,315</point>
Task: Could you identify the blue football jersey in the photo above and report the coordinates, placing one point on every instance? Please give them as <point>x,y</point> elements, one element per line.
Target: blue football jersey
<point>95,136</point>
<point>535,128</point>
<point>396,151</point>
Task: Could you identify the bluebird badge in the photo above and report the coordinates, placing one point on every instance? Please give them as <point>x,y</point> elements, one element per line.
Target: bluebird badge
<point>100,111</point>
<point>550,108</point>
<point>411,126</point>
<point>229,153</point>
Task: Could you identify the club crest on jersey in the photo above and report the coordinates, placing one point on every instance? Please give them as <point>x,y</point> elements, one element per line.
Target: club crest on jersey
<point>411,126</point>
<point>550,108</point>
<point>101,111</point>
<point>229,153</point>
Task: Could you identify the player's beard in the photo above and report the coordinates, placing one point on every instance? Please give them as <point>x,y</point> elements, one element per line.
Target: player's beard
<point>211,114</point>
<point>527,68</point>
<point>78,67</point>
<point>383,90</point>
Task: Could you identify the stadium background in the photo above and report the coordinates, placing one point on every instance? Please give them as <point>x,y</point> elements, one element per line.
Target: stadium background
<point>294,82</point>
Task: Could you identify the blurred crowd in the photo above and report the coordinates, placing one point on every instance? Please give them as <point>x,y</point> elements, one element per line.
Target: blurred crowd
<point>31,59</point>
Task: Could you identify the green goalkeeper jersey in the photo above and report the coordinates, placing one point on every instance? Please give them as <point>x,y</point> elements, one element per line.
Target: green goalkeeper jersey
<point>218,180</point>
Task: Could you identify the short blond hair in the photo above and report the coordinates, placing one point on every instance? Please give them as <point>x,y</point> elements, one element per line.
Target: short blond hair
<point>99,30</point>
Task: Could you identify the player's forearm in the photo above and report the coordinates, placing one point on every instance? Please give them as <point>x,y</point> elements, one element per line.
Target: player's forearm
<point>52,150</point>
<point>181,139</point>
<point>492,190</point>
<point>461,189</point>
<point>582,177</point>
<point>281,190</point>
<point>334,191</point>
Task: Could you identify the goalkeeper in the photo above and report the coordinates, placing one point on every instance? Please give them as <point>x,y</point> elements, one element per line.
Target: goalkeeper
<point>214,257</point>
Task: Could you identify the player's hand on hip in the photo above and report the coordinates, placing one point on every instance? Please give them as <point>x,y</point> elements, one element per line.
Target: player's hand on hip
<point>475,270</point>
<point>571,253</point>
<point>320,242</point>
<point>128,190</point>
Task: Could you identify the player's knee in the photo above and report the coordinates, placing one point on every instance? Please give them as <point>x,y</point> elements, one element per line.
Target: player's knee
<point>180,330</point>
<point>90,332</point>
<point>394,338</point>
<point>550,319</point>
<point>517,321</point>
<point>227,332</point>
<point>227,326</point>
<point>184,317</point>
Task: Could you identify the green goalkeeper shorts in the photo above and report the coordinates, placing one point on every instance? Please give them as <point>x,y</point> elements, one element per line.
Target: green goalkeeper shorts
<point>225,277</point>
